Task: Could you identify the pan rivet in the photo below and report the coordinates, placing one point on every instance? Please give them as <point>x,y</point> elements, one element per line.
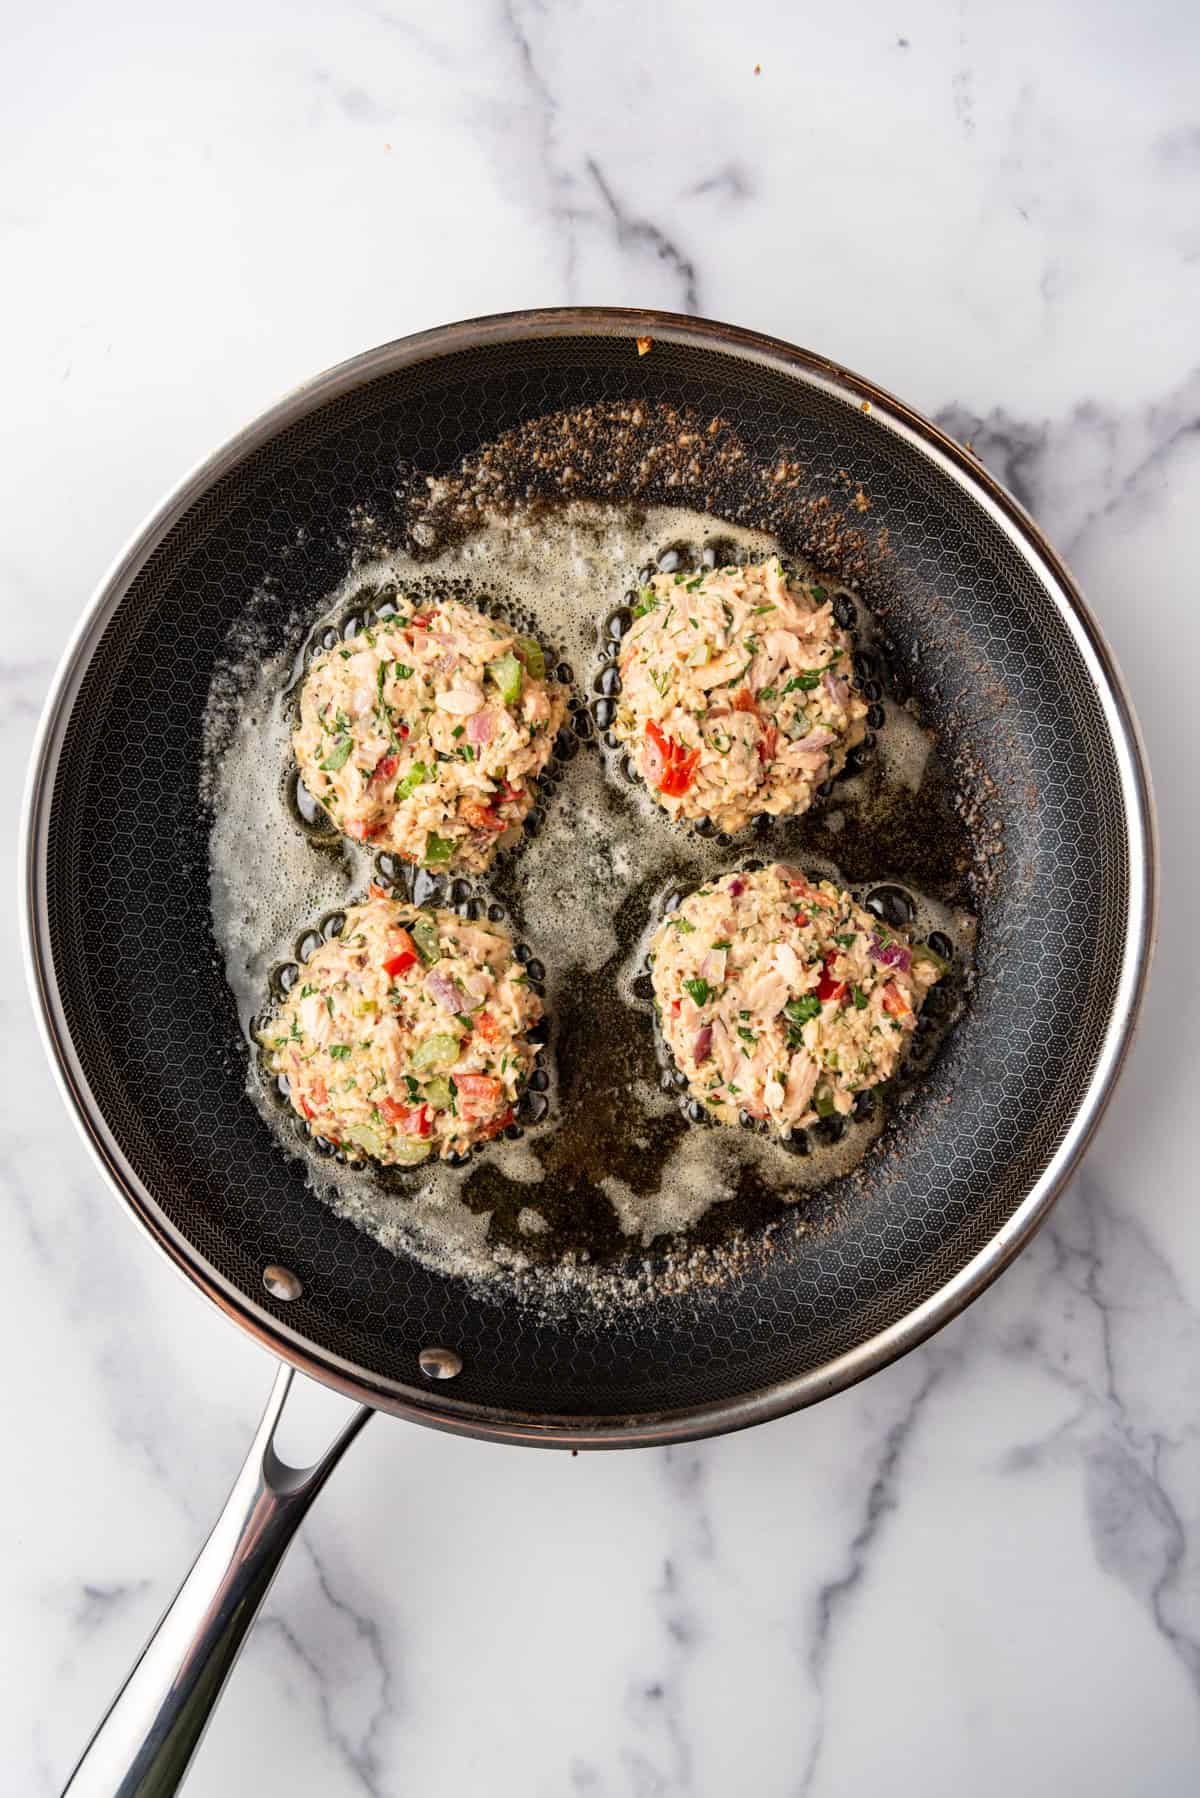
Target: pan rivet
<point>439,1363</point>
<point>281,1282</point>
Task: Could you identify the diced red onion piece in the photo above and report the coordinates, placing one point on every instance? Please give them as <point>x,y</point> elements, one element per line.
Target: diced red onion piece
<point>480,726</point>
<point>892,955</point>
<point>443,989</point>
<point>702,1047</point>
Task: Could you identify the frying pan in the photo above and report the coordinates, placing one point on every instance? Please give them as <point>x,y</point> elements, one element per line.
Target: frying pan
<point>992,641</point>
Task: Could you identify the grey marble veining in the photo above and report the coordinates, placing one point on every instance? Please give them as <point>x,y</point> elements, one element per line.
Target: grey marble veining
<point>981,1570</point>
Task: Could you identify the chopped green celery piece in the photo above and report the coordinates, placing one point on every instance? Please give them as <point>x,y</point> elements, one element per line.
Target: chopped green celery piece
<point>365,1008</point>
<point>424,934</point>
<point>438,850</point>
<point>506,675</point>
<point>438,1092</point>
<point>922,952</point>
<point>823,1105</point>
<point>531,653</point>
<point>409,1151</point>
<point>338,756</point>
<point>699,656</point>
<point>366,1138</point>
<point>416,777</point>
<point>440,1051</point>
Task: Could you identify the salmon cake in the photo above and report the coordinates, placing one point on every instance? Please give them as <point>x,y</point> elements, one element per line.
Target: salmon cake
<point>781,997</point>
<point>736,695</point>
<point>406,1036</point>
<point>424,733</point>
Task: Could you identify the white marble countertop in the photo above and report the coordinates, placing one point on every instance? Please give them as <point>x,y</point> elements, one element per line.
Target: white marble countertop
<point>979,1572</point>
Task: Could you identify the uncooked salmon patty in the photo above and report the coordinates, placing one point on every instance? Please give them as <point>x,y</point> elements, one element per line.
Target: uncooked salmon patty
<point>407,1035</point>
<point>781,997</point>
<point>423,734</point>
<point>736,693</point>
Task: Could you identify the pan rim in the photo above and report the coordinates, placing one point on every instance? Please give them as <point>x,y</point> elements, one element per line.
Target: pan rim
<point>438,1409</point>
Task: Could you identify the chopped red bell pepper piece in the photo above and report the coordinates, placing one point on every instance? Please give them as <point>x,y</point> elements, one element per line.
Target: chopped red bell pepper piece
<point>404,958</point>
<point>829,988</point>
<point>484,1087</point>
<point>894,1002</point>
<point>386,767</point>
<point>679,775</point>
<point>414,1120</point>
<point>654,754</point>
<point>480,816</point>
<point>669,766</point>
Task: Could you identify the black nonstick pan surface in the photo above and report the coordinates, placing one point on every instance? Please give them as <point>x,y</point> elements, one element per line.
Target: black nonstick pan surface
<point>988,639</point>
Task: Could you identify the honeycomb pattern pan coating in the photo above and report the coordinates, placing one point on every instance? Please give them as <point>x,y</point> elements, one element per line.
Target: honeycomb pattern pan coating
<point>140,1026</point>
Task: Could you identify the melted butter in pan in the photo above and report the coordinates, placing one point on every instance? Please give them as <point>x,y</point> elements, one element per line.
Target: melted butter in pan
<point>615,1164</point>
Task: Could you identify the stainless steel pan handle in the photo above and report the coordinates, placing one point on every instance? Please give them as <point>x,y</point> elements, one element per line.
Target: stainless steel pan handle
<point>145,1744</point>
